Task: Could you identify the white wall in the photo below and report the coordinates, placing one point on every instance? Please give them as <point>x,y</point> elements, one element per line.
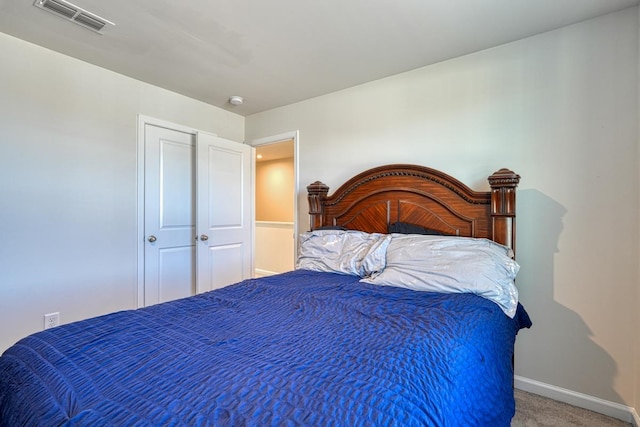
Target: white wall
<point>68,183</point>
<point>274,247</point>
<point>560,109</point>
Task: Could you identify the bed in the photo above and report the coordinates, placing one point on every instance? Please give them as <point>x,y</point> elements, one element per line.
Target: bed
<point>321,345</point>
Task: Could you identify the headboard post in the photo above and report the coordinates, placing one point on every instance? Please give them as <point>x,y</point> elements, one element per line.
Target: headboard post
<point>503,206</point>
<point>317,192</point>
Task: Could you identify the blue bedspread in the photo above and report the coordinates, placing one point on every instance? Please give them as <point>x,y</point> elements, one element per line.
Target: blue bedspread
<point>302,348</point>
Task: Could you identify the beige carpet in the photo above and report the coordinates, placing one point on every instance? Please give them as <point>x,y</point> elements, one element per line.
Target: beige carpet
<point>536,411</point>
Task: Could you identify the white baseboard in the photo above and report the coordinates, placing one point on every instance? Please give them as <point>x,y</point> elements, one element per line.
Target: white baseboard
<point>611,409</point>
<point>258,272</point>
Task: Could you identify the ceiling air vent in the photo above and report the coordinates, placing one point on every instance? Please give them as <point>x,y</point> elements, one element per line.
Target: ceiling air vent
<point>73,13</point>
<point>90,21</point>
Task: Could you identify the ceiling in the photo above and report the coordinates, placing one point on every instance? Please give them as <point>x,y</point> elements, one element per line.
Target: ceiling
<point>278,52</point>
<point>275,151</point>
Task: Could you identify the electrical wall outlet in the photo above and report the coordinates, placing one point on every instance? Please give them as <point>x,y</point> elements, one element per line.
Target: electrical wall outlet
<point>51,320</point>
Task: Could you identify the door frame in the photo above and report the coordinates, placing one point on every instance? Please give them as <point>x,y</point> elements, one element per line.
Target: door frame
<point>140,236</point>
<point>273,140</point>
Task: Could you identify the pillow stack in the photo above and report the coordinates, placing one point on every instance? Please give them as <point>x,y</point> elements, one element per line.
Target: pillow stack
<point>427,263</point>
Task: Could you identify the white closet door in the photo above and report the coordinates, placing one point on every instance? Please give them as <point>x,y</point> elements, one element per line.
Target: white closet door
<point>169,207</point>
<point>224,253</point>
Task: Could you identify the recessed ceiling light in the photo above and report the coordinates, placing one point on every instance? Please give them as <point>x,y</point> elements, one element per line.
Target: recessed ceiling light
<point>236,100</point>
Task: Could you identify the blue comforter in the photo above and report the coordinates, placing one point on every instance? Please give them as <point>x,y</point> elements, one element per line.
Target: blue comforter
<point>301,348</point>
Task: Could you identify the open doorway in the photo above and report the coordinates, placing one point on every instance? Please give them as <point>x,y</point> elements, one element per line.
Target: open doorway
<point>275,205</point>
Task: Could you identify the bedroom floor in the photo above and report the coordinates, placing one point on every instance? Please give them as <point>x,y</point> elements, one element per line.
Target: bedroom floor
<point>537,411</point>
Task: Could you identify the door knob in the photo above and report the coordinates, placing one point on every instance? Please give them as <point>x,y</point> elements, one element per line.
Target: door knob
<point>152,238</point>
<point>204,237</point>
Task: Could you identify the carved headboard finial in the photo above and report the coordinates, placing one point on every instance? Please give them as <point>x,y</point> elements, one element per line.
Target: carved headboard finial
<point>504,178</point>
<point>503,206</point>
<point>316,193</point>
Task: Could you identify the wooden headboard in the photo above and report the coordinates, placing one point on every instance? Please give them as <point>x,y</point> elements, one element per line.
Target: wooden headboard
<point>418,195</point>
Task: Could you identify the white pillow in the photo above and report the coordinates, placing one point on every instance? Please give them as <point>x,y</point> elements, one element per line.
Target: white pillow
<point>343,251</point>
<point>451,264</point>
